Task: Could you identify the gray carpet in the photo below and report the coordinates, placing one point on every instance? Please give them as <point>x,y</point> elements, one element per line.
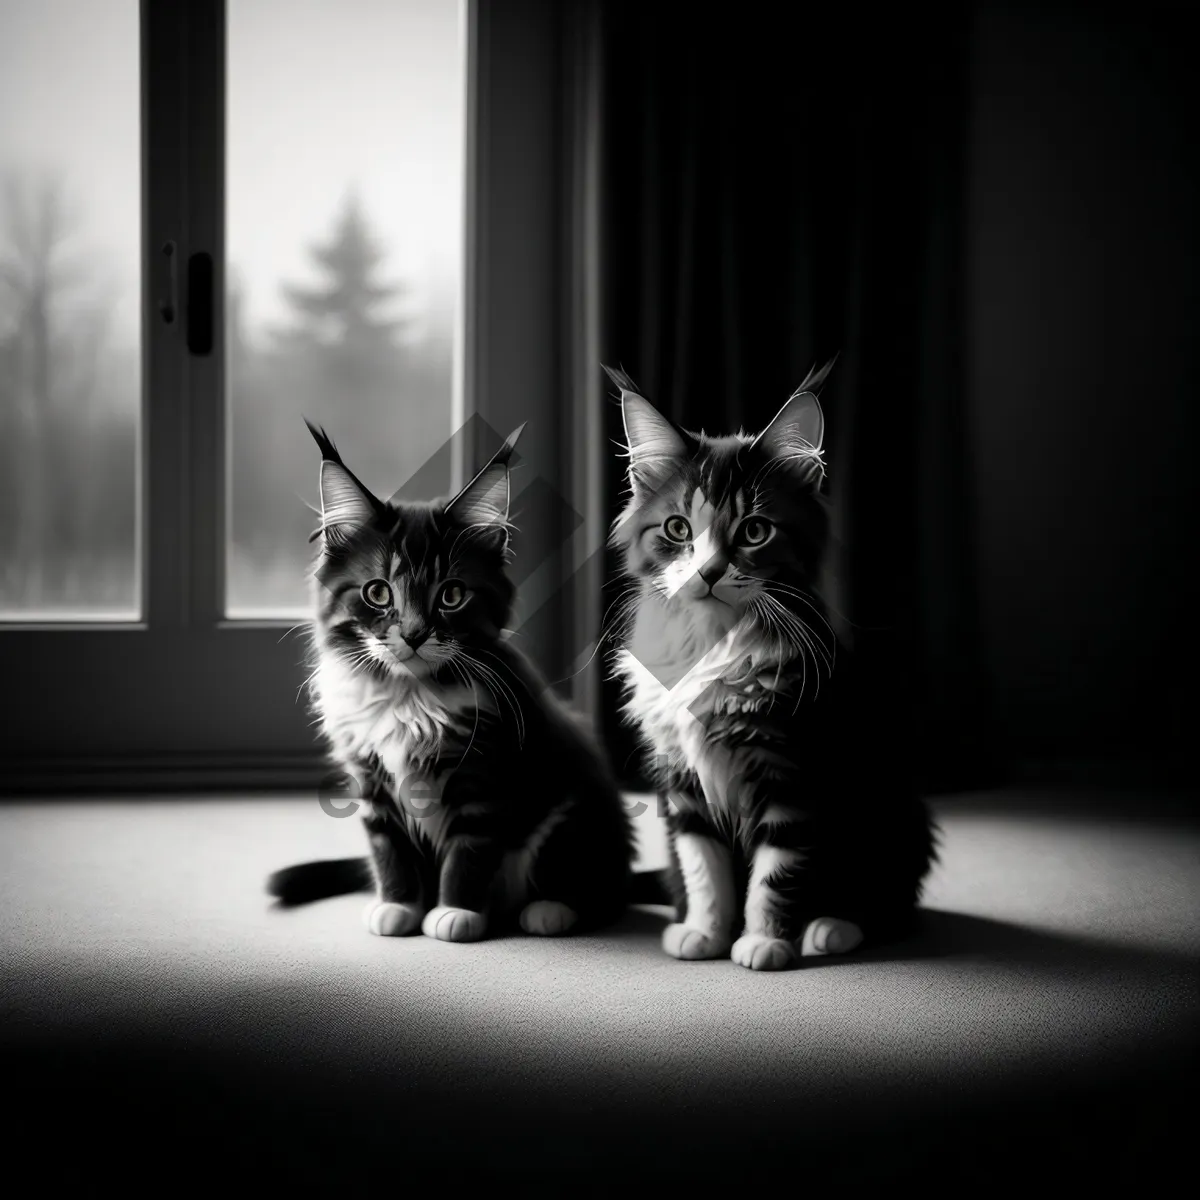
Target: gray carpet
<point>1051,995</point>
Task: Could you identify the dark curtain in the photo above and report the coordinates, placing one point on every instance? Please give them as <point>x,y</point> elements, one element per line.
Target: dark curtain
<point>780,185</point>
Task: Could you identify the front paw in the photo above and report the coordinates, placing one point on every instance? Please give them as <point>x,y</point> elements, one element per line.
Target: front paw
<point>692,944</point>
<point>454,924</point>
<point>762,953</point>
<point>392,920</point>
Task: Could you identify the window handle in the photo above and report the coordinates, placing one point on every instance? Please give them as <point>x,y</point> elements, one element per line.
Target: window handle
<point>200,304</point>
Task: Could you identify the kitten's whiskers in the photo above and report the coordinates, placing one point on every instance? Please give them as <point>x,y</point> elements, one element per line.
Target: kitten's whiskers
<point>497,687</point>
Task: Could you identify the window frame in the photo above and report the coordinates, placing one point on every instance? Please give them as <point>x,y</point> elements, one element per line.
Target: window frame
<point>186,699</point>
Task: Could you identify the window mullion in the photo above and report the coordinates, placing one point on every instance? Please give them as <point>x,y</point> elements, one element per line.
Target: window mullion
<point>163,474</point>
<point>206,441</point>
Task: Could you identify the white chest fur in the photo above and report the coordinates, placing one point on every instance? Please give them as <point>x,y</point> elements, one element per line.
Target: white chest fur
<point>669,669</point>
<point>403,723</point>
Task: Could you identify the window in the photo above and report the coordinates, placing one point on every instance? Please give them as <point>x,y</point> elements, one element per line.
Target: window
<point>298,188</point>
<point>344,184</point>
<point>227,196</point>
<point>70,312</point>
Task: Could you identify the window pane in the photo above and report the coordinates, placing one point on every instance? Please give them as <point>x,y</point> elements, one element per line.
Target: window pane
<point>345,148</point>
<point>70,293</point>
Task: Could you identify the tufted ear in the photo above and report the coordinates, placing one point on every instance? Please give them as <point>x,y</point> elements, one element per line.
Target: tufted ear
<point>654,444</point>
<point>346,504</point>
<point>795,436</point>
<point>484,501</point>
<point>797,431</point>
<point>798,428</point>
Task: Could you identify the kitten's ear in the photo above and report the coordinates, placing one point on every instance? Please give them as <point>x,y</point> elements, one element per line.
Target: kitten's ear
<point>345,502</point>
<point>797,430</point>
<point>655,445</point>
<point>484,501</point>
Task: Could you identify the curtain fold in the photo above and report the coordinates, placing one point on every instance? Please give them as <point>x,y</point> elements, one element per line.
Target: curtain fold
<point>778,190</point>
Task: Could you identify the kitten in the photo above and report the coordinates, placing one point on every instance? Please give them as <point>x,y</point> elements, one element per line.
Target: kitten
<point>486,804</point>
<point>790,832</point>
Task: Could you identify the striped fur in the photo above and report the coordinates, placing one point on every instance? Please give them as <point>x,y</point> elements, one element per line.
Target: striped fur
<point>759,733</point>
<point>486,804</point>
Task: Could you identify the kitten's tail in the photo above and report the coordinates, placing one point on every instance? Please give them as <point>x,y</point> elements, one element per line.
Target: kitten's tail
<point>306,882</point>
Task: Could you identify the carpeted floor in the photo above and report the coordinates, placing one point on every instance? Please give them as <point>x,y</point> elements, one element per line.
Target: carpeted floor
<point>154,1003</point>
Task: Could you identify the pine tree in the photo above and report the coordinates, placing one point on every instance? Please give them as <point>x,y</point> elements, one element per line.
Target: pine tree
<point>348,358</point>
<point>347,311</point>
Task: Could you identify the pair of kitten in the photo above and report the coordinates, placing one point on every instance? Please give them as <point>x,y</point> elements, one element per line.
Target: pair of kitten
<point>487,804</point>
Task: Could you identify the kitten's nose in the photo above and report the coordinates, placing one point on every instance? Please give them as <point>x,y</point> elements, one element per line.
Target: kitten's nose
<point>413,637</point>
<point>707,575</point>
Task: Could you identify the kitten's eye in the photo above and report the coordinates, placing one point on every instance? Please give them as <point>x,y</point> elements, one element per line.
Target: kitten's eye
<point>377,594</point>
<point>755,531</point>
<point>677,529</point>
<point>453,595</point>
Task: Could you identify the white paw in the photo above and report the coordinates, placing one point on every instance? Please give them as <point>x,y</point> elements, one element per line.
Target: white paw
<point>392,920</point>
<point>454,924</point>
<point>687,942</point>
<point>547,918</point>
<point>830,935</point>
<point>762,953</point>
